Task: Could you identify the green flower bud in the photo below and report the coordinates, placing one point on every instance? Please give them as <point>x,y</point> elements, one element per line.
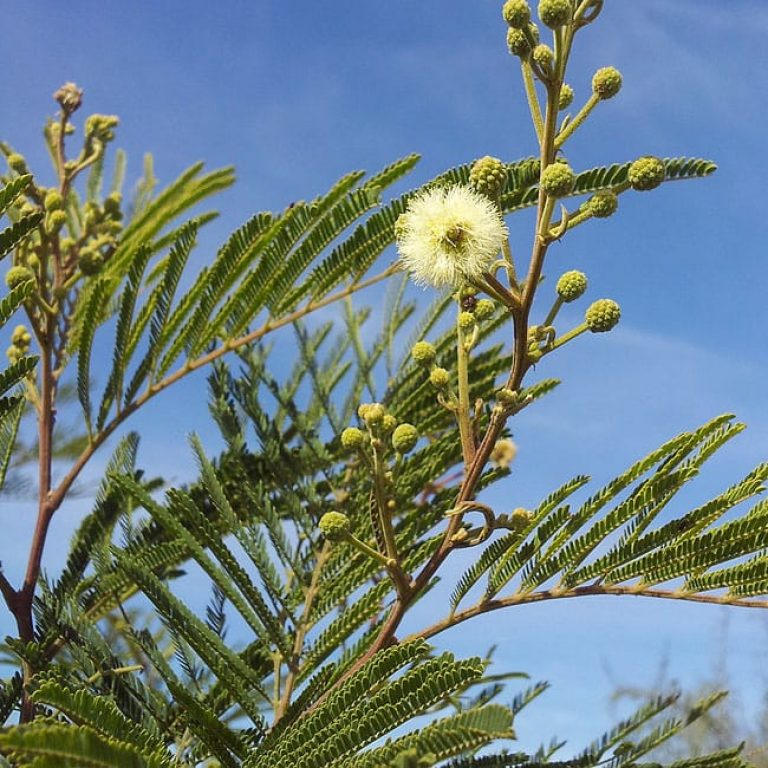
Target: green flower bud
<point>69,96</point>
<point>544,56</point>
<point>439,378</point>
<point>423,353</point>
<point>16,162</point>
<point>112,203</point>
<point>507,397</point>
<point>484,309</point>
<point>33,262</point>
<point>17,276</point>
<point>488,176</point>
<point>21,336</point>
<point>571,285</point>
<point>602,316</point>
<point>55,220</point>
<point>90,262</point>
<point>13,353</point>
<point>466,320</point>
<point>646,173</point>
<point>404,438</point>
<point>566,96</point>
<point>606,83</point>
<point>335,526</point>
<point>352,438</point>
<point>53,200</point>
<point>101,127</point>
<point>517,13</point>
<point>558,179</point>
<point>519,41</point>
<point>555,13</point>
<point>520,518</point>
<point>603,204</point>
<point>388,423</point>
<point>371,413</point>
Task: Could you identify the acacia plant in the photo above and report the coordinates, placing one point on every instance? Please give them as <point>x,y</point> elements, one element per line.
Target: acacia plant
<point>347,485</point>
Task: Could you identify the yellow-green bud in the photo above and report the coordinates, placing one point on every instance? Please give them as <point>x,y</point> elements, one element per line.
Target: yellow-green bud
<point>13,353</point>
<point>69,96</point>
<point>404,438</point>
<point>603,204</point>
<point>558,180</point>
<point>466,320</point>
<point>555,13</point>
<point>566,96</point>
<point>520,518</point>
<point>112,203</point>
<point>606,83</point>
<point>90,262</point>
<point>488,176</point>
<point>544,56</point>
<point>439,378</point>
<point>388,423</point>
<point>517,13</point>
<point>571,285</point>
<point>646,173</point>
<point>21,336</point>
<point>352,438</point>
<point>335,526</point>
<point>55,220</point>
<point>423,353</point>
<point>17,276</point>
<point>371,413</point>
<point>519,41</point>
<point>507,396</point>
<point>484,309</point>
<point>602,316</point>
<point>16,162</point>
<point>101,127</point>
<point>53,200</point>
<point>33,262</point>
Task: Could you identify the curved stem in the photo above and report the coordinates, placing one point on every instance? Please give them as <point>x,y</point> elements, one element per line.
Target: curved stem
<point>592,590</point>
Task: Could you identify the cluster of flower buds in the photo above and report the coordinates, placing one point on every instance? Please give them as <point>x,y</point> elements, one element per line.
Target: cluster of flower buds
<point>21,338</point>
<point>382,428</point>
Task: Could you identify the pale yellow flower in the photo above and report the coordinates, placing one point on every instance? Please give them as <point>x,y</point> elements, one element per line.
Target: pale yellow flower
<point>447,236</point>
<point>503,453</point>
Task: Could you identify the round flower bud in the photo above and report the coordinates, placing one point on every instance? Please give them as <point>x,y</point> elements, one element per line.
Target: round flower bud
<point>484,309</point>
<point>520,518</point>
<point>603,204</point>
<point>503,453</point>
<point>352,438</point>
<point>544,56</point>
<point>519,41</point>
<point>112,203</point>
<point>21,336</point>
<point>558,179</point>
<point>17,276</point>
<point>423,352</point>
<point>566,96</point>
<point>466,320</point>
<point>606,83</point>
<point>69,96</point>
<point>555,13</point>
<point>517,13</point>
<point>404,438</point>
<point>488,176</point>
<point>17,163</point>
<point>90,262</point>
<point>371,413</point>
<point>33,262</point>
<point>335,526</point>
<point>571,285</point>
<point>646,173</point>
<point>602,316</point>
<point>388,423</point>
<point>53,200</point>
<point>55,220</point>
<point>507,396</point>
<point>439,378</point>
<point>13,353</point>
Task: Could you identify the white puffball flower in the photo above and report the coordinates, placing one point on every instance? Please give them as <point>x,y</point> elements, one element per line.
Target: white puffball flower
<point>447,236</point>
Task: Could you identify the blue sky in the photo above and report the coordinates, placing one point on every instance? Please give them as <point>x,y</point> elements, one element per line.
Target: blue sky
<point>296,94</point>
